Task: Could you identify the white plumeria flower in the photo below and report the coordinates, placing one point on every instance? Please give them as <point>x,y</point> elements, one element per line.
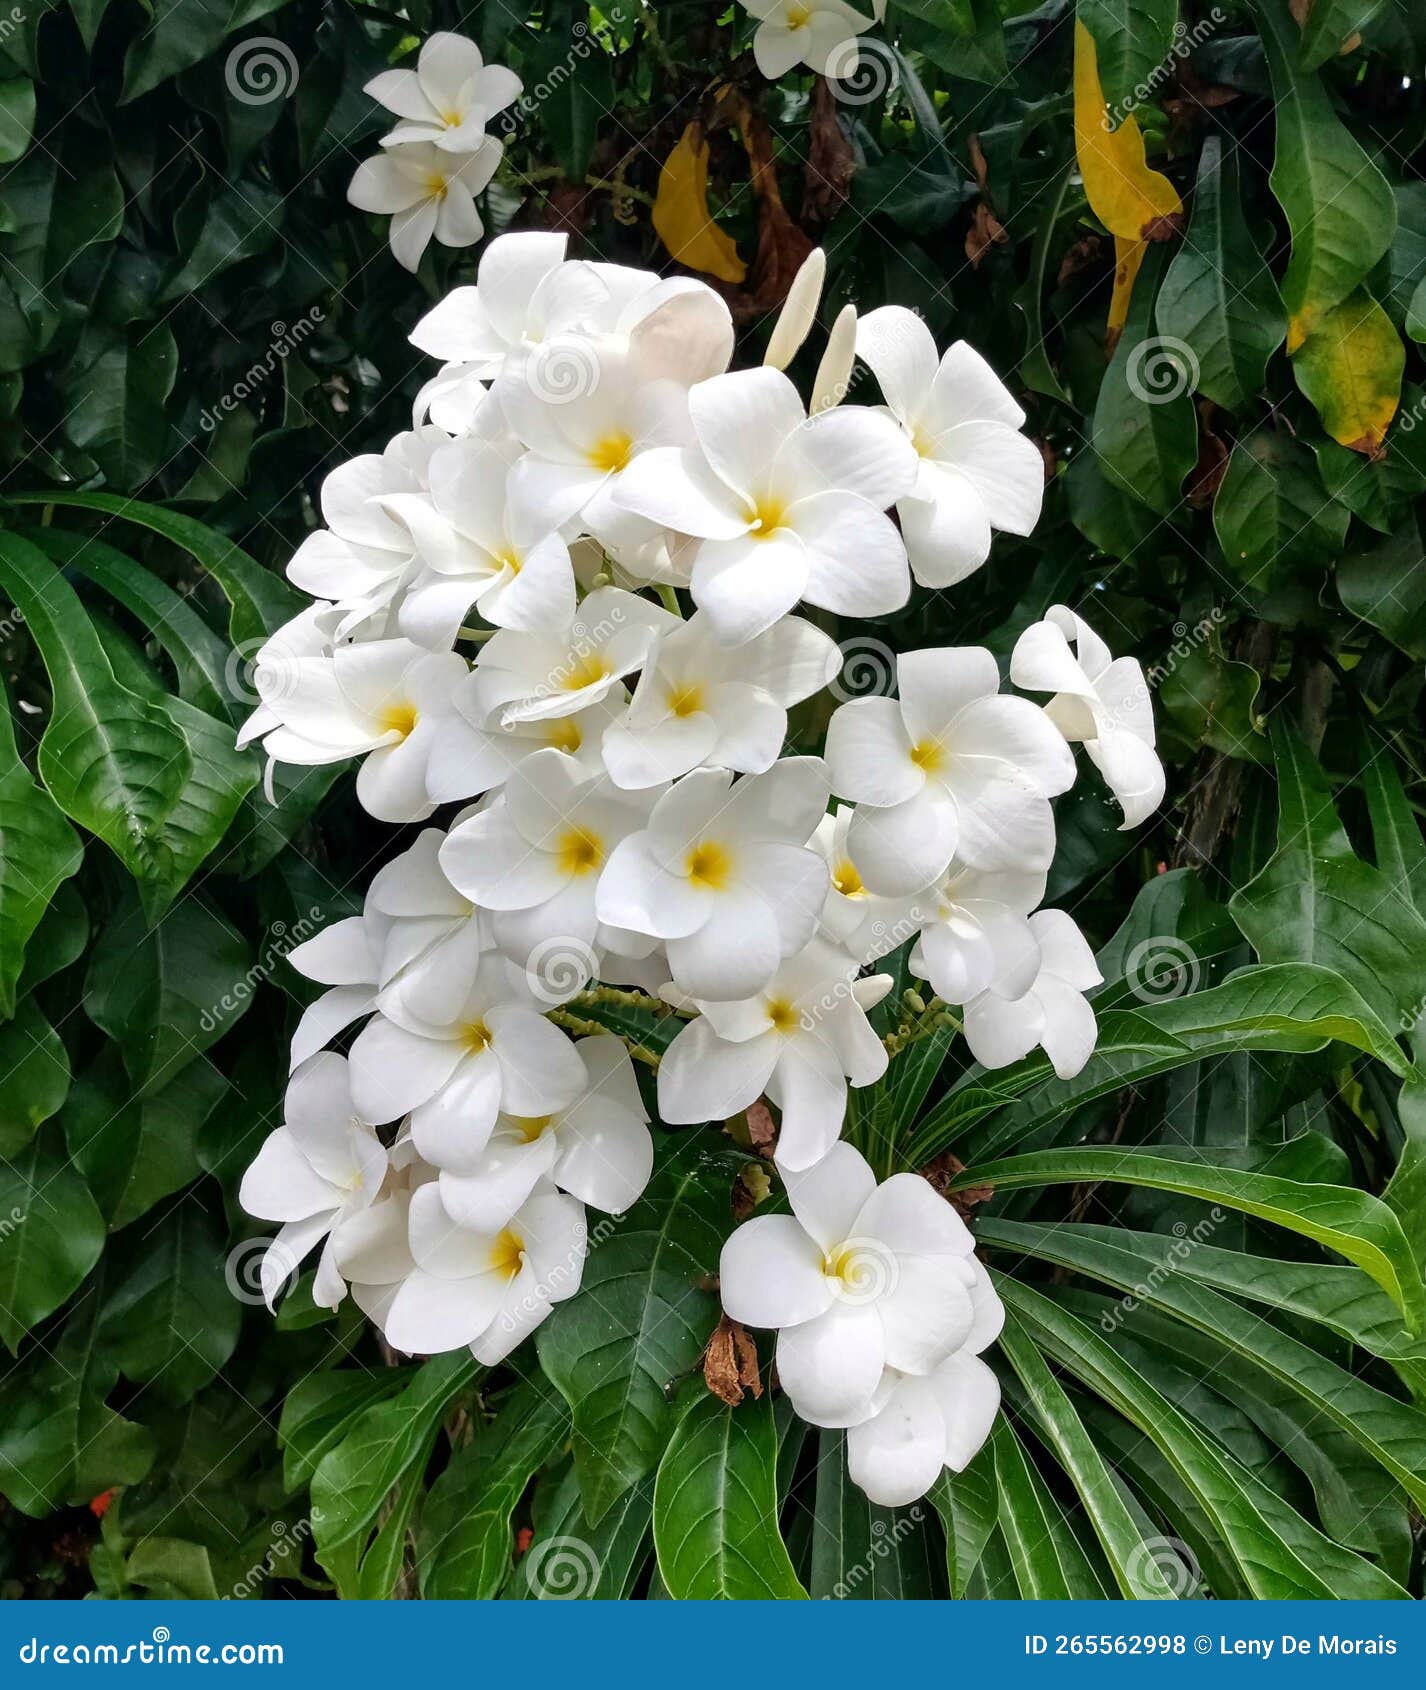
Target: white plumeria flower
<point>448,98</point>
<point>1100,700</point>
<point>486,1289</point>
<point>495,1052</point>
<point>923,1425</point>
<point>701,702</point>
<point>590,405</point>
<point>859,1278</point>
<point>598,1149</point>
<point>1053,1013</point>
<point>800,1040</point>
<point>524,293</point>
<point>785,507</point>
<point>484,540</point>
<point>426,191</point>
<point>311,633</point>
<point>382,700</point>
<point>820,34</point>
<point>976,936</point>
<point>364,555</point>
<point>949,767</point>
<point>346,958</point>
<point>834,374</point>
<point>561,673</point>
<point>722,875</point>
<point>319,1167</point>
<point>373,1250</point>
<point>477,750</point>
<point>535,857</point>
<point>432,937</point>
<point>860,921</point>
<point>799,311</point>
<point>977,471</point>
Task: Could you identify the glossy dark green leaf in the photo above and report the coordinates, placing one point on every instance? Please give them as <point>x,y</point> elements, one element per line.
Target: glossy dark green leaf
<point>862,1552</point>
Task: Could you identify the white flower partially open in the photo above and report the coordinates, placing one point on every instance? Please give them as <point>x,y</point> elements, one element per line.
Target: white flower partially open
<point>820,34</point>
<point>947,768</point>
<point>1100,700</point>
<point>321,1166</point>
<point>976,936</point>
<point>976,470</point>
<point>1053,1013</point>
<point>426,191</point>
<point>448,98</point>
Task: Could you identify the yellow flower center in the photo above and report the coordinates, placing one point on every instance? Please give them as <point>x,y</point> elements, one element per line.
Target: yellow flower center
<point>925,444</point>
<point>530,1127</point>
<point>398,719</point>
<point>709,865</point>
<point>509,559</point>
<point>564,733</point>
<point>782,1015</point>
<point>579,852</point>
<point>507,1254</point>
<point>435,186</point>
<point>585,671</point>
<point>846,880</point>
<point>798,17</point>
<point>611,452</point>
<point>766,517</point>
<point>451,118</point>
<point>475,1036</point>
<point>928,755</point>
<point>686,700</point>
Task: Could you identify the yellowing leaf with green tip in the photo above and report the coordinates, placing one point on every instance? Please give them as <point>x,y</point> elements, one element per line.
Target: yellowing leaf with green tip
<point>1131,200</point>
<point>1350,367</point>
<point>681,216</point>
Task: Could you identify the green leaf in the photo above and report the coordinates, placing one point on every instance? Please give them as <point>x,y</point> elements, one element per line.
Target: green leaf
<point>863,1552</point>
<point>38,850</point>
<point>1136,1572</point>
<point>1340,209</point>
<point>467,1538</point>
<point>968,1503</point>
<point>569,1559</point>
<point>1331,23</point>
<point>639,1321</point>
<point>1219,297</point>
<point>1133,40</point>
<point>1339,1218</point>
<point>115,405</point>
<point>172,1569</point>
<point>185,31</point>
<point>715,1506</point>
<point>1317,902</point>
<point>353,1478</point>
<point>1145,430</point>
<point>135,1150</point>
<point>111,763</point>
<point>51,1234</point>
<point>1385,584</point>
<point>59,1444</point>
<point>1047,1559</point>
<point>322,1408</point>
<point>261,601</point>
<point>171,1320</point>
<point>35,1067</point>
<point>1272,511</point>
<point>17,117</point>
<point>1279,1553</point>
<point>164,994</point>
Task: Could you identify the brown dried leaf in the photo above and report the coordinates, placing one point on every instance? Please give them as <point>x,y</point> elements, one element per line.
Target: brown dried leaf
<point>986,231</point>
<point>730,1363</point>
<point>830,161</point>
<point>942,1170</point>
<point>762,1129</point>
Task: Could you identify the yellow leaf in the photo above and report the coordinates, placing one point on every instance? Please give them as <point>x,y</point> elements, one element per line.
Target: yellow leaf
<point>1132,201</point>
<point>1128,259</point>
<point>1350,367</point>
<point>681,215</point>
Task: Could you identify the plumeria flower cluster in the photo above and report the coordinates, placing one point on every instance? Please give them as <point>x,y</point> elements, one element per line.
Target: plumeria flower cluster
<point>562,609</point>
<point>439,155</point>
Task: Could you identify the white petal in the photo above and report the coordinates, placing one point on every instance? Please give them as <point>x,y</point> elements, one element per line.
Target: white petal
<point>827,1197</point>
<point>705,1078</point>
<point>831,1365</point>
<point>770,1274</point>
<point>897,1456</point>
<point>969,1397</point>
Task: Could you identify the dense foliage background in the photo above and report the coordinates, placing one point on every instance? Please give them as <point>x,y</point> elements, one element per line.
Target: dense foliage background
<point>1211,1241</point>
